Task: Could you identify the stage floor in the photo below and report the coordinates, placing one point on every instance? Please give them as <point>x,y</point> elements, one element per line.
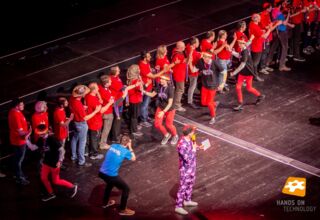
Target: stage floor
<point>240,177</point>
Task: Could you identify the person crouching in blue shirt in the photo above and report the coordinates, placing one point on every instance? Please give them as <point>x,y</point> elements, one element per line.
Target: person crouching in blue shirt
<point>109,173</point>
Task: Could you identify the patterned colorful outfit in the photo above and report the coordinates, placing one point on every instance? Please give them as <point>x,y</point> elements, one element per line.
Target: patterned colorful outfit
<point>187,167</point>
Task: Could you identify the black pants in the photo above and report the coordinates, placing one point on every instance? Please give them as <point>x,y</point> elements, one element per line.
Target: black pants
<point>134,112</point>
<point>116,127</point>
<point>94,138</point>
<point>256,58</point>
<point>295,42</point>
<point>116,181</point>
<point>264,55</point>
<point>19,153</point>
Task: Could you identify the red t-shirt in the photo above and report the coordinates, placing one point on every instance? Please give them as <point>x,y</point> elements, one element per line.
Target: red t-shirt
<point>60,132</point>
<point>106,95</point>
<point>135,94</point>
<point>38,119</point>
<point>116,87</point>
<point>258,40</point>
<point>160,63</point>
<point>265,22</point>
<point>94,123</point>
<point>179,70</point>
<point>318,4</point>
<point>225,54</point>
<point>77,108</point>
<point>311,15</point>
<point>196,56</point>
<point>240,36</point>
<point>145,69</point>
<point>205,45</point>
<point>297,6</point>
<point>17,121</point>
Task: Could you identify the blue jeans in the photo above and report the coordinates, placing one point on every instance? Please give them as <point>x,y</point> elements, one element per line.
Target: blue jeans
<point>224,64</point>
<point>80,135</point>
<point>144,108</point>
<point>19,153</point>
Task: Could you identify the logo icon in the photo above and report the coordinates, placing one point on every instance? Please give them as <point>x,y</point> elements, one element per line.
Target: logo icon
<point>295,186</point>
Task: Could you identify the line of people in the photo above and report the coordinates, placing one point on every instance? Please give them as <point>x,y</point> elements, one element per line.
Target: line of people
<point>96,110</point>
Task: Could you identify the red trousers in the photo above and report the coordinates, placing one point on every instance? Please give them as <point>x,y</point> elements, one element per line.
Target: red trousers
<point>55,176</point>
<point>207,99</point>
<point>248,79</point>
<point>169,122</point>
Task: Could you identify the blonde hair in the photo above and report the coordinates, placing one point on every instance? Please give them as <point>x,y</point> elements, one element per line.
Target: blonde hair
<point>161,51</point>
<point>221,33</point>
<point>133,73</point>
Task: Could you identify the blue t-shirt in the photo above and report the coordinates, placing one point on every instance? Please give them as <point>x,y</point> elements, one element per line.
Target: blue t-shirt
<point>113,159</point>
<point>281,27</point>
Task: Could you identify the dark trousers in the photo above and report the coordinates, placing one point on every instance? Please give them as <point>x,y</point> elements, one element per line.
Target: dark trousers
<point>19,153</point>
<point>116,181</point>
<point>94,138</point>
<point>134,112</point>
<point>283,41</point>
<point>264,55</point>
<point>116,127</point>
<point>256,58</point>
<point>308,34</point>
<point>295,42</point>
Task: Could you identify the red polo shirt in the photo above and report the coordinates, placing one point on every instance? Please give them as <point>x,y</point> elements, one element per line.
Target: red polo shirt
<point>298,6</point>
<point>77,108</point>
<point>116,87</point>
<point>60,132</point>
<point>240,36</point>
<point>224,54</point>
<point>179,70</point>
<point>106,95</point>
<point>94,123</point>
<point>38,119</point>
<point>196,56</point>
<point>145,69</point>
<point>311,15</point>
<point>160,63</point>
<point>265,22</point>
<point>17,121</point>
<point>258,40</point>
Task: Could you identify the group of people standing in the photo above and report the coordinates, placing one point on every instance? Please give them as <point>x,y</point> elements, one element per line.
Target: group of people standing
<point>96,110</point>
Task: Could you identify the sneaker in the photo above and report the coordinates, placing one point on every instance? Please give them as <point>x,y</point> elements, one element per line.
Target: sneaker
<point>110,203</point>
<point>264,71</point>
<point>181,211</point>
<point>48,197</point>
<point>96,157</point>
<point>299,59</point>
<point>74,190</point>
<point>146,124</point>
<point>269,69</point>
<point>194,106</point>
<point>311,49</point>
<point>212,121</point>
<point>181,109</point>
<point>104,146</point>
<point>259,79</point>
<point>137,133</point>
<point>23,182</point>
<point>86,154</point>
<point>139,127</point>
<point>285,68</point>
<point>260,99</point>
<point>166,139</point>
<point>2,175</point>
<point>290,55</point>
<point>174,140</point>
<point>85,165</point>
<point>127,212</point>
<point>238,108</point>
<point>190,203</point>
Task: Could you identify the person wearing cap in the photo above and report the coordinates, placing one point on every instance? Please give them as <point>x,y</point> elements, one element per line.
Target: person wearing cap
<point>81,117</point>
<point>165,110</point>
<point>246,70</point>
<point>109,172</point>
<point>186,148</point>
<point>61,123</point>
<point>19,132</point>
<point>40,116</point>
<point>92,100</point>
<point>51,164</point>
<point>209,70</point>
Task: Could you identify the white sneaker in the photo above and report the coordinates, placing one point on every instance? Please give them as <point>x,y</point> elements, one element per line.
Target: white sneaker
<point>212,121</point>
<point>174,140</point>
<point>269,69</point>
<point>190,203</point>
<point>181,211</point>
<point>166,139</point>
<point>264,71</point>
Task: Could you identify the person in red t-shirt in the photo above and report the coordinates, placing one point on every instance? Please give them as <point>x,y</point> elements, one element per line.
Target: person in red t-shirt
<point>207,44</point>
<point>195,55</point>
<point>240,34</point>
<point>162,61</point>
<point>81,117</point>
<point>106,110</point>
<point>95,123</point>
<point>309,26</point>
<point>135,98</point>
<point>179,74</point>
<point>147,77</point>
<point>19,132</point>
<point>40,116</point>
<point>224,54</point>
<point>297,19</point>
<point>61,124</point>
